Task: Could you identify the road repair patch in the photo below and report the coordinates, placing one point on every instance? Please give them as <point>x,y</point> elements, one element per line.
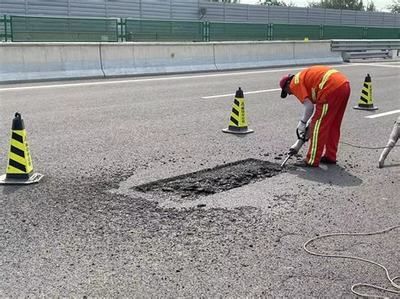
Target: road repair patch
<point>212,180</point>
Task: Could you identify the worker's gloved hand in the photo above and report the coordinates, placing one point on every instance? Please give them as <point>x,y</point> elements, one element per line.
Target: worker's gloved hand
<point>301,129</point>
<point>292,151</point>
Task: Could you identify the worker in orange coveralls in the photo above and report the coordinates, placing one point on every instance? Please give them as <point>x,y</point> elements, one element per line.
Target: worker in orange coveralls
<point>324,93</point>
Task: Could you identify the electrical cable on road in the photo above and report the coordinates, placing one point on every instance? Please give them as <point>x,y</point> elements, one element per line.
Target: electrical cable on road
<point>392,280</point>
<point>367,147</point>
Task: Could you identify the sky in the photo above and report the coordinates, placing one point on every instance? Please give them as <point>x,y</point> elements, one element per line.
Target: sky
<point>380,4</point>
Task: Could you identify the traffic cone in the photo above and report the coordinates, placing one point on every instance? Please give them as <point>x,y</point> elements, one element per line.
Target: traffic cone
<point>238,120</point>
<point>365,102</point>
<point>19,170</point>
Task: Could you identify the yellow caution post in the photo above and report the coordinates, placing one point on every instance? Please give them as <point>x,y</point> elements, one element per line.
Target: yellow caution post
<point>365,102</point>
<point>19,168</point>
<point>238,120</point>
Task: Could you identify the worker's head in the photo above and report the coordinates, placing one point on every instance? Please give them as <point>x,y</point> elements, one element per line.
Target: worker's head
<point>284,84</point>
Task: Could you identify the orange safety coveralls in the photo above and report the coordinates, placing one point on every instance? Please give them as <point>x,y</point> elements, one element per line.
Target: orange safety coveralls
<point>329,90</point>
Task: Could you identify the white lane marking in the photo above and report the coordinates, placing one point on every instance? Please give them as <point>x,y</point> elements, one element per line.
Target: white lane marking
<point>245,93</point>
<point>383,114</point>
<point>156,79</point>
<point>378,64</point>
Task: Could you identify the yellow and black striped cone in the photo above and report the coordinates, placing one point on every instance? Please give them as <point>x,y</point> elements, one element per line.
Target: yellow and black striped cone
<point>365,102</point>
<point>19,168</point>
<point>238,120</point>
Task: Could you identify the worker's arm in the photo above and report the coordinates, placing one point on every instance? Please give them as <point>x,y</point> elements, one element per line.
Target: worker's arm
<point>308,111</point>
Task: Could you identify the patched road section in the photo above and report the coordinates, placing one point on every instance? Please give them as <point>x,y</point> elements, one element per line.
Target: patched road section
<point>211,180</point>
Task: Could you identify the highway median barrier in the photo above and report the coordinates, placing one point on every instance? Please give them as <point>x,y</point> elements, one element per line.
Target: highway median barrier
<point>156,58</point>
<point>48,61</point>
<point>237,55</point>
<point>51,61</point>
<point>315,52</point>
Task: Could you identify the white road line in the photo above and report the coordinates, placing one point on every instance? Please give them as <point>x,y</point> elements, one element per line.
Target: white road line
<point>385,65</point>
<point>245,93</point>
<point>378,64</point>
<point>383,114</point>
<point>106,81</point>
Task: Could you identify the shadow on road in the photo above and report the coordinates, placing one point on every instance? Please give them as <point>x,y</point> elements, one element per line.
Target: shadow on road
<point>9,189</point>
<point>392,165</point>
<point>332,174</point>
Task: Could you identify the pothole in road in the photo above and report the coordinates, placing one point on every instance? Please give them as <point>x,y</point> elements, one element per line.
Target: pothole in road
<point>212,180</point>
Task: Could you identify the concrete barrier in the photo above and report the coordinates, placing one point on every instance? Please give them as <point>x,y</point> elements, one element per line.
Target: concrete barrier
<point>156,58</point>
<point>234,55</point>
<point>315,52</point>
<point>40,61</point>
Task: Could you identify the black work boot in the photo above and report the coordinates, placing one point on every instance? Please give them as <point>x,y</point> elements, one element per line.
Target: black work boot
<point>326,160</point>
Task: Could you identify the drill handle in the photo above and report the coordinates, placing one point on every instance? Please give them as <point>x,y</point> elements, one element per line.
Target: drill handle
<point>303,137</point>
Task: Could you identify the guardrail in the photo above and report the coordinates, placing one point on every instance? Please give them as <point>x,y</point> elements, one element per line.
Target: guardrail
<point>363,49</point>
<point>61,29</point>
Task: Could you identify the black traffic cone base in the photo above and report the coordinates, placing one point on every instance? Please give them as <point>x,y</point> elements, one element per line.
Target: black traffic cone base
<point>33,179</point>
<point>237,130</point>
<point>367,108</point>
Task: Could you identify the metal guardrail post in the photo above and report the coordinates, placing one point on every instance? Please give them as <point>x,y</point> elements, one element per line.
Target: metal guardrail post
<point>5,27</point>
<point>6,35</point>
<point>270,31</point>
<point>121,29</point>
<point>206,31</point>
<point>202,32</point>
<point>11,29</point>
<point>321,32</point>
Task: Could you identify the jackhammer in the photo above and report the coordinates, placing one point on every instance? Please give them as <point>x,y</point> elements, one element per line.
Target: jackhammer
<point>294,149</point>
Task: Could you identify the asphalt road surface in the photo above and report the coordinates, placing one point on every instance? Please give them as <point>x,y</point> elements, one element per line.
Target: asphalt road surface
<point>87,230</point>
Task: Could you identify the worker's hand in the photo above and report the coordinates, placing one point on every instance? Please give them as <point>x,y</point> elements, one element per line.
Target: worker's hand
<point>293,150</point>
<point>301,129</point>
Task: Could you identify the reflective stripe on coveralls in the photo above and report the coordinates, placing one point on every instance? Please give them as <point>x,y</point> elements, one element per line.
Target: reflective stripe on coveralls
<point>314,83</point>
<point>326,77</point>
<point>315,137</point>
